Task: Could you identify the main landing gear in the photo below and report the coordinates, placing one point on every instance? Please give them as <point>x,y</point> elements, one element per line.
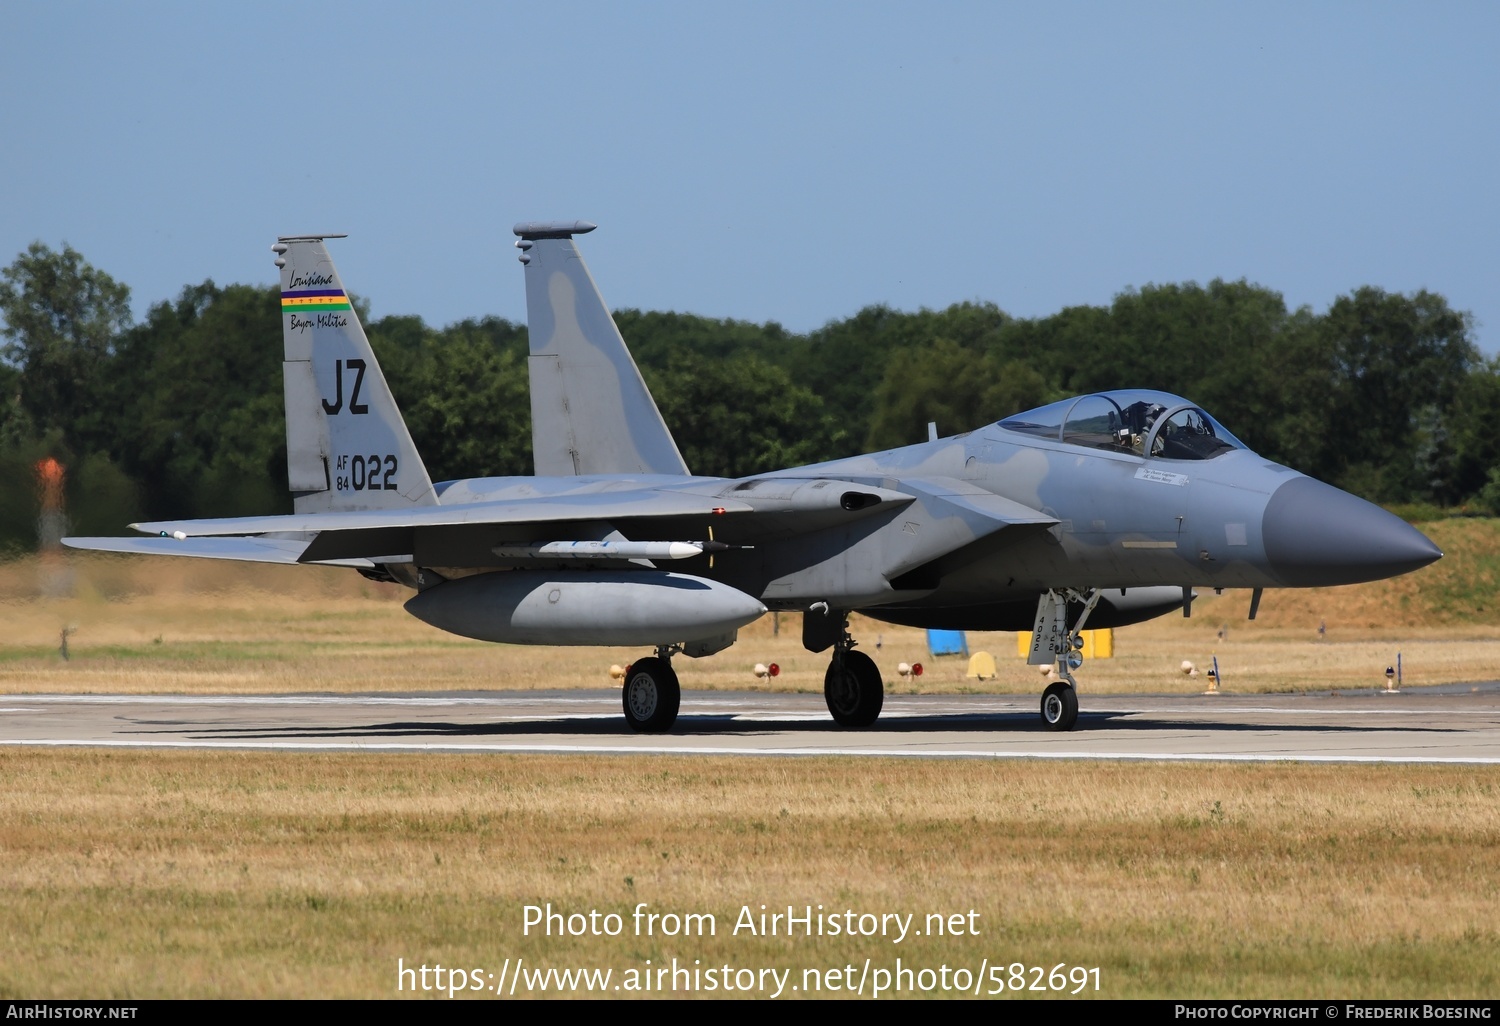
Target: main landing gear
<point>1054,641</point>
<point>852,686</point>
<point>651,694</point>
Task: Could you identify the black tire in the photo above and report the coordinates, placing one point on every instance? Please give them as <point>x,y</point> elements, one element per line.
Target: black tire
<point>651,696</point>
<point>1059,706</point>
<point>853,690</point>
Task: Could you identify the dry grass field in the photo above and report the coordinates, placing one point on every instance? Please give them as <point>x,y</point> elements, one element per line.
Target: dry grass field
<point>213,874</point>
<point>139,874</point>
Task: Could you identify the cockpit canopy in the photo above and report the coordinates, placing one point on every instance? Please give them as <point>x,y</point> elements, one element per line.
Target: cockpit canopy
<point>1138,421</point>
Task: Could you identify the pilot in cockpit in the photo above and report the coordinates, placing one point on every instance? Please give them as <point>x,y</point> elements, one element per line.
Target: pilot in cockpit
<point>1139,418</point>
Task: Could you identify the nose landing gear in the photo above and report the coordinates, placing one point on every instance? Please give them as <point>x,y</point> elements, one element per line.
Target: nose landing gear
<point>1054,641</point>
<point>1060,706</point>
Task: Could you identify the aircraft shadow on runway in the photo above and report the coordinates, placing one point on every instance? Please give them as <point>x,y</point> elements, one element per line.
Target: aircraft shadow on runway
<point>717,724</point>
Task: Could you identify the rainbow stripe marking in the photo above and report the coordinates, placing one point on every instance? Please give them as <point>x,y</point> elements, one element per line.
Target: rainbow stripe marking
<point>315,299</point>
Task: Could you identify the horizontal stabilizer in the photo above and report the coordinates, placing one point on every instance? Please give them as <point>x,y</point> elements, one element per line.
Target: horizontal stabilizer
<point>245,550</point>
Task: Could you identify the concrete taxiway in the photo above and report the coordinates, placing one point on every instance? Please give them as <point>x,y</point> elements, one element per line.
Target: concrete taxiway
<point>1457,723</point>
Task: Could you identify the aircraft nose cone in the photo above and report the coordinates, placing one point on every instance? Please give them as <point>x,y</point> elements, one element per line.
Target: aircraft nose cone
<point>1317,535</point>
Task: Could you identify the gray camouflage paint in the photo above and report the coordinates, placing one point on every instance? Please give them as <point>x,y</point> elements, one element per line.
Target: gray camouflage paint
<point>339,411</point>
<point>590,411</point>
<point>963,532</point>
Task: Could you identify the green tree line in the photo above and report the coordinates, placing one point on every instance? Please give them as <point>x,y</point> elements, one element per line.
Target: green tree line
<point>180,415</point>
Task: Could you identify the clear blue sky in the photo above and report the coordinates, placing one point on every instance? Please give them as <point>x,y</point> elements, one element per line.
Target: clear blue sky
<point>766,161</point>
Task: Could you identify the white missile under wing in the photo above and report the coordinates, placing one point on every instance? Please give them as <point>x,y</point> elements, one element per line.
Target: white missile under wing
<point>1107,509</point>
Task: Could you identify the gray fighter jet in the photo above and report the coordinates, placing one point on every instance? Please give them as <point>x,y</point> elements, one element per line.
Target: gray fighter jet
<point>1104,510</point>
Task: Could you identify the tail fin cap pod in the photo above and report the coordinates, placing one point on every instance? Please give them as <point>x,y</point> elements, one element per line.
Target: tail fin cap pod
<point>553,229</point>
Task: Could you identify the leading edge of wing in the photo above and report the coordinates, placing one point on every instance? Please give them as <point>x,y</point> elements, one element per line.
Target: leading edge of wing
<point>976,500</point>
<point>966,496</point>
<point>591,506</point>
<point>244,550</point>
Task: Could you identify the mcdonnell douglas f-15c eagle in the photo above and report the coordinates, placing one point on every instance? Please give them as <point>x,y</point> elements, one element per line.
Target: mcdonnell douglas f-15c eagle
<point>1107,509</point>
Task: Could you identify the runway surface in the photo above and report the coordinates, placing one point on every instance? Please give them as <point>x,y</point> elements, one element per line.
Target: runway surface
<point>1458,723</point>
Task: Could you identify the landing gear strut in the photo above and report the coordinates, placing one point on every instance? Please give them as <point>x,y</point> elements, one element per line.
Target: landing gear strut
<point>1054,641</point>
<point>852,687</point>
<point>651,694</point>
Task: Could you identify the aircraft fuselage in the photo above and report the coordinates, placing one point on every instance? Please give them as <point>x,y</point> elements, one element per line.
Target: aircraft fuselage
<point>1119,521</point>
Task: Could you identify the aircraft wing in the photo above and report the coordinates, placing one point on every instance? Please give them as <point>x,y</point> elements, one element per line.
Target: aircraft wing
<point>756,511</point>
<point>795,496</point>
<point>587,506</point>
<point>245,550</point>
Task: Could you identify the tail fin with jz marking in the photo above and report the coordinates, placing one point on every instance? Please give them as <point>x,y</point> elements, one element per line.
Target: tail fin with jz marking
<point>347,447</point>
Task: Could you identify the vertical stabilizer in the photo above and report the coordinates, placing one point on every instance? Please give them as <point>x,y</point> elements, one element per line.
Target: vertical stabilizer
<point>347,447</point>
<point>590,411</point>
